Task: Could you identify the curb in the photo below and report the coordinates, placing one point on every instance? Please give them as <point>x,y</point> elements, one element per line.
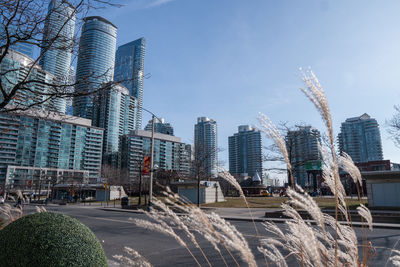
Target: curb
<point>122,210</point>
<point>276,220</point>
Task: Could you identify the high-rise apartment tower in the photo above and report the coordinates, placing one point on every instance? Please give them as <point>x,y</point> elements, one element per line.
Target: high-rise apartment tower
<point>114,113</point>
<point>302,146</point>
<point>361,139</point>
<point>129,71</point>
<point>205,148</point>
<point>96,58</point>
<point>245,151</point>
<point>56,59</point>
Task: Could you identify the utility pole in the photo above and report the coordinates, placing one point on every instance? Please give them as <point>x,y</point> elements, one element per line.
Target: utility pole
<point>140,184</point>
<point>151,164</point>
<point>40,182</point>
<point>198,190</point>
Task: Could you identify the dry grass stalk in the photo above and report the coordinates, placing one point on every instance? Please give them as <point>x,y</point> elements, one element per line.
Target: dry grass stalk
<point>192,219</point>
<point>164,229</point>
<point>311,245</point>
<point>273,252</point>
<point>176,221</point>
<point>395,259</point>
<point>273,133</point>
<point>217,231</point>
<point>315,92</point>
<point>347,164</point>
<point>366,214</point>
<point>314,245</point>
<point>229,178</point>
<point>40,209</point>
<point>8,214</point>
<point>134,258</point>
<point>197,221</point>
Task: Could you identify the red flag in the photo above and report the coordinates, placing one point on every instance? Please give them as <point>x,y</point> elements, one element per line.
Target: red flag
<point>146,165</point>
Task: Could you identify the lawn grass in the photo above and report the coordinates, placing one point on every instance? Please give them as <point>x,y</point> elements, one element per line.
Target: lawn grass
<point>275,202</point>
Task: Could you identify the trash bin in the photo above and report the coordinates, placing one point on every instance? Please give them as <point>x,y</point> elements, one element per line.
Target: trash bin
<point>124,202</point>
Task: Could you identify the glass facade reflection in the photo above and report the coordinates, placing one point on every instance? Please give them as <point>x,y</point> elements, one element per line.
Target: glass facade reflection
<point>49,140</point>
<point>95,64</point>
<point>245,151</point>
<point>361,139</point>
<point>205,145</point>
<point>23,47</point>
<point>114,111</point>
<point>129,71</point>
<point>15,68</point>
<point>60,21</point>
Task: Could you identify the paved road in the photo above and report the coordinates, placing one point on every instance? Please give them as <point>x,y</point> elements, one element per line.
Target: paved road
<point>115,230</point>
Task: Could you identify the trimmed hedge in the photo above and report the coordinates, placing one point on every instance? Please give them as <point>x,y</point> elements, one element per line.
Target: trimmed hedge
<point>49,239</point>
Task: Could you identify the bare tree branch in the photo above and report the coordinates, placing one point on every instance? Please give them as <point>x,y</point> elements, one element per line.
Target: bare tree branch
<point>22,22</point>
<point>393,126</point>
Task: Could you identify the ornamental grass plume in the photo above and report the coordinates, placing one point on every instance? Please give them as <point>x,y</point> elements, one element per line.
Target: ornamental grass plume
<point>366,214</point>
<point>324,243</point>
<point>346,164</point>
<point>230,179</point>
<point>133,259</point>
<point>8,214</point>
<point>395,259</point>
<point>314,245</point>
<point>273,133</point>
<point>221,234</point>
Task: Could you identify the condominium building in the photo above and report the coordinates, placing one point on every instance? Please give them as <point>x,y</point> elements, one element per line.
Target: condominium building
<point>129,71</point>
<point>169,152</point>
<point>245,151</point>
<point>160,126</point>
<point>303,151</point>
<point>16,67</point>
<point>361,139</point>
<point>96,58</point>
<point>23,47</point>
<point>48,140</point>
<point>114,111</point>
<point>205,148</point>
<point>58,43</point>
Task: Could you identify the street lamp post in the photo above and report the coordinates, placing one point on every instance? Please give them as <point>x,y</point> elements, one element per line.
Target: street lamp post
<point>151,163</point>
<point>153,117</point>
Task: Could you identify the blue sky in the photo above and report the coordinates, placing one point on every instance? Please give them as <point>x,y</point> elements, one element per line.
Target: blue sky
<point>230,59</point>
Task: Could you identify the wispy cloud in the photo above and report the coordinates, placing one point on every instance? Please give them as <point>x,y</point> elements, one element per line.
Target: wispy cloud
<point>156,3</point>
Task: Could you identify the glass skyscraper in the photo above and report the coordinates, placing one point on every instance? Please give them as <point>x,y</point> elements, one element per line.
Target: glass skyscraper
<point>49,140</point>
<point>60,21</point>
<point>114,111</point>
<point>245,151</point>
<point>129,71</point>
<point>22,47</point>
<point>361,139</point>
<point>25,48</point>
<point>96,58</point>
<point>302,146</point>
<point>205,146</point>
<point>15,68</point>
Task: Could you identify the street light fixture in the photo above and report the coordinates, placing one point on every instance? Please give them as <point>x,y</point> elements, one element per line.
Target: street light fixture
<point>151,157</point>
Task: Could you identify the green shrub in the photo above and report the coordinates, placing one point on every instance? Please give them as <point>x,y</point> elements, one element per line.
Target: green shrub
<point>49,239</point>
